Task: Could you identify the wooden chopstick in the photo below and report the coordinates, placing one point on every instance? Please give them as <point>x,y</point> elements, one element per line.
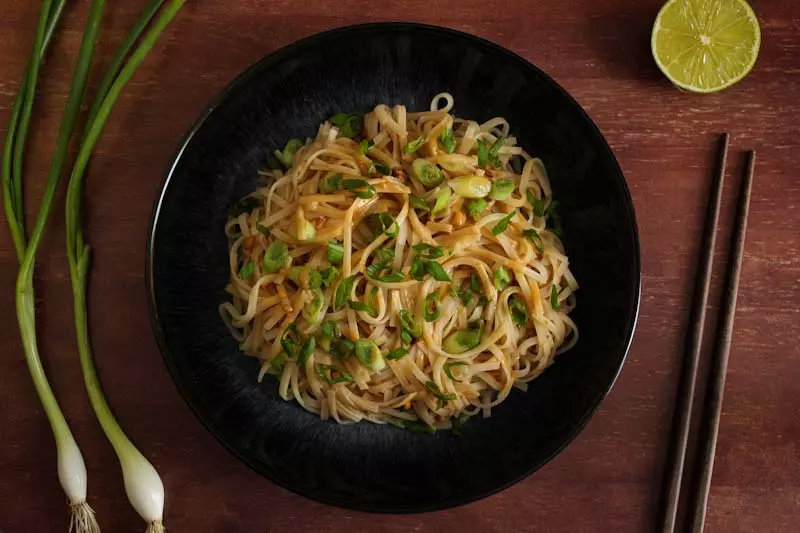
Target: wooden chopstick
<point>713,405</point>
<point>694,341</point>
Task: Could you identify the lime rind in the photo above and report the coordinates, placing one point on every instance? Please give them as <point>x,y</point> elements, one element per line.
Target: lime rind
<point>710,68</point>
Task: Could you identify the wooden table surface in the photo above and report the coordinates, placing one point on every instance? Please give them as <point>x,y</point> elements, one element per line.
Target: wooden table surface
<point>609,479</point>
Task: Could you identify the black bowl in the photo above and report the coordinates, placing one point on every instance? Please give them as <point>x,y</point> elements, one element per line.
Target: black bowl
<point>288,94</point>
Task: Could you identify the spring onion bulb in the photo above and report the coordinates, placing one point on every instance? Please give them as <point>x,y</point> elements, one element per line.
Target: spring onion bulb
<point>142,483</point>
<point>71,467</point>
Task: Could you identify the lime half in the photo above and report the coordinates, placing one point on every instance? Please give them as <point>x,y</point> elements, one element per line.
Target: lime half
<point>705,45</point>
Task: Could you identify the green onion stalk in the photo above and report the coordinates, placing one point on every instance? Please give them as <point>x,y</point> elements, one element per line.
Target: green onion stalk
<point>71,466</point>
<point>142,483</point>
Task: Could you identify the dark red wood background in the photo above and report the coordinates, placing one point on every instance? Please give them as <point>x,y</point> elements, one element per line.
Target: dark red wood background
<point>609,479</point>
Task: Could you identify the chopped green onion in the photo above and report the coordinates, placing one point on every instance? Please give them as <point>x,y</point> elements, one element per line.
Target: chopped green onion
<point>305,229</point>
<point>418,426</point>
<point>519,313</point>
<point>448,368</point>
<point>442,199</point>
<point>414,145</point>
<point>554,298</point>
<point>502,225</point>
<point>365,146</point>
<point>405,338</point>
<point>313,307</point>
<point>428,251</point>
<point>417,271</point>
<point>359,187</point>
<point>289,150</point>
<point>247,270</point>
<point>343,292</point>
<point>263,230</point>
<point>437,392</point>
<point>397,354</point>
<point>392,277</point>
<point>335,253</point>
<point>361,306</point>
<point>314,279</point>
<point>448,140</point>
<point>306,350</point>
<point>341,348</point>
<point>328,330</point>
<point>431,309</point>
<point>418,203</point>
<point>470,186</point>
<point>466,297</point>
<point>328,276</point>
<point>370,355</point>
<point>289,340</point>
<point>536,204</point>
<point>476,207</point>
<point>330,183</point>
<point>275,257</point>
<point>501,189</point>
<point>349,124</point>
<point>278,362</point>
<point>388,224</point>
<point>384,255</point>
<point>535,238</point>
<point>409,325</point>
<point>326,373</point>
<point>483,300</point>
<point>494,153</point>
<point>437,272</point>
<point>483,154</point>
<point>502,278</point>
<point>463,340</point>
<point>428,174</point>
<point>243,205</point>
<point>379,168</point>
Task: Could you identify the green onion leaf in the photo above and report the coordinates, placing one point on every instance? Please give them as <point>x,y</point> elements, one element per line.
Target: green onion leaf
<point>359,187</point>
<point>314,280</point>
<point>349,124</point>
<point>483,154</point>
<point>275,257</point>
<point>428,251</point>
<point>536,204</point>
<point>501,189</point>
<point>437,272</point>
<point>405,338</point>
<point>519,313</point>
<point>418,203</point>
<point>289,150</point>
<point>312,308</point>
<point>431,309</point>
<point>442,199</point>
<point>417,271</point>
<point>243,205</point>
<point>554,298</point>
<point>410,325</point>
<point>475,283</point>
<point>247,270</point>
<point>330,183</point>
<point>502,278</point>
<point>329,275</point>
<point>397,354</point>
<point>436,391</point>
<point>448,368</point>
<point>332,375</point>
<point>464,340</point>
<point>535,239</point>
<point>306,350</point>
<point>502,225</point>
<point>392,277</point>
<point>428,174</point>
<point>482,301</point>
<point>494,153</point>
<point>414,145</point>
<point>289,340</point>
<point>476,207</point>
<point>466,297</point>
<point>418,426</point>
<point>263,230</point>
<point>361,306</point>
<point>384,255</point>
<point>341,348</point>
<point>343,292</point>
<point>448,140</point>
<point>328,330</point>
<point>278,362</point>
<point>388,224</point>
<point>365,146</point>
<point>370,355</point>
<point>379,169</point>
<point>335,253</point>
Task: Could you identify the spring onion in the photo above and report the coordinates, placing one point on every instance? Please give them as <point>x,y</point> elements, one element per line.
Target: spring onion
<point>349,124</point>
<point>359,187</point>
<point>431,311</point>
<point>519,313</point>
<point>448,140</point>
<point>263,230</point>
<point>428,251</point>
<point>247,270</point>
<point>502,278</point>
<point>437,392</point>
<point>278,362</point>
<point>243,205</point>
<point>331,183</point>
<point>448,368</point>
<point>470,186</point>
<point>289,340</point>
<point>465,296</point>
<point>476,207</point>
<point>306,350</point>
<point>335,253</point>
<point>428,174</point>
<point>343,292</point>
<point>418,203</point>
<point>502,225</point>
<point>397,354</point>
<point>537,205</point>
<point>304,229</point>
<point>314,307</point>
<point>536,239</point>
<point>328,276</point>
<point>554,298</point>
<point>355,305</point>
<point>410,325</point>
<point>369,354</point>
<point>341,348</point>
<point>384,255</point>
<point>483,154</point>
<point>328,330</point>
<point>414,145</point>
<point>494,153</point>
<point>377,170</point>
<point>501,189</point>
<point>275,257</point>
<point>442,199</point>
<point>332,375</point>
<point>417,271</point>
<point>365,146</point>
<point>463,340</point>
<point>405,338</point>
<point>388,224</point>
<point>475,283</point>
<point>436,271</point>
<point>289,150</point>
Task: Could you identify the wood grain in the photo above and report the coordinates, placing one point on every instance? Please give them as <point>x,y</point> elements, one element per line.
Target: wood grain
<point>609,479</point>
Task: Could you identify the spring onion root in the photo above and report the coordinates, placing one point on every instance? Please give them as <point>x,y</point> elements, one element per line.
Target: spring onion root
<point>82,520</point>
<point>142,483</point>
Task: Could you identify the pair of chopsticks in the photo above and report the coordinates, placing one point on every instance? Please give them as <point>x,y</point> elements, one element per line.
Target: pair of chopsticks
<point>719,366</point>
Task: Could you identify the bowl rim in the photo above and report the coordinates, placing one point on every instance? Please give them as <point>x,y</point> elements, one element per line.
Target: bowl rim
<point>243,78</point>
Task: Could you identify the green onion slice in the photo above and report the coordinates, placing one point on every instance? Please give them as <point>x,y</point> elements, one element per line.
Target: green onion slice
<point>448,140</point>
<point>448,368</point>
<point>428,174</point>
<point>335,253</point>
<point>476,207</point>
<point>410,325</point>
<point>431,309</point>
<point>418,203</point>
<point>369,354</point>
<point>442,199</point>
<point>428,251</point>
<point>361,306</point>
<point>554,298</point>
<point>502,225</point>
<point>501,189</point>
<point>437,272</point>
<point>365,146</point>
<point>359,187</point>
<point>343,292</point>
<point>502,278</point>
<point>483,154</point>
<point>349,124</point>
<point>306,350</point>
<point>275,257</point>
<point>397,354</point>
<point>536,239</point>
<point>330,183</point>
<point>519,313</point>
<point>289,150</point>
<point>414,145</point>
<point>247,270</point>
